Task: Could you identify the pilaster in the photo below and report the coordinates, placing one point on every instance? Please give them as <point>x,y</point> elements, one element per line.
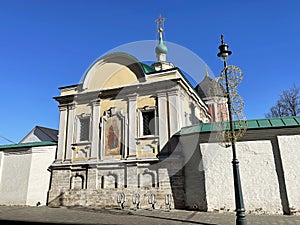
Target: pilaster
<point>70,132</point>
<point>132,125</point>
<point>95,130</point>
<point>61,133</point>
<point>174,111</point>
<point>163,119</point>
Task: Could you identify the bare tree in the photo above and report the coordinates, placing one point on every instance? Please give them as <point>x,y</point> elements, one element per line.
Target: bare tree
<point>288,104</point>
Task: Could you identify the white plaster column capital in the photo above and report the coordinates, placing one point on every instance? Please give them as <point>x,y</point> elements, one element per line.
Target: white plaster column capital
<point>62,107</point>
<point>71,106</point>
<point>132,97</point>
<point>161,94</point>
<point>96,102</point>
<point>173,92</point>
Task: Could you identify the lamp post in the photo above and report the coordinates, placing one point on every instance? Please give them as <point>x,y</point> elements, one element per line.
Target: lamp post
<point>239,202</point>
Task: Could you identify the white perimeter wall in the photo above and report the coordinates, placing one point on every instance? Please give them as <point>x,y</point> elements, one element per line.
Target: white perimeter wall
<point>290,155</point>
<point>38,185</point>
<point>257,171</point>
<point>14,177</point>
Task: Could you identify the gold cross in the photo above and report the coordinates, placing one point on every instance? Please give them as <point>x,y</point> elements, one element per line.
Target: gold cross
<point>160,21</point>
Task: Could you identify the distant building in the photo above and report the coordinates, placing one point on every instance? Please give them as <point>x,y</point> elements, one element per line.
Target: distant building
<point>214,97</point>
<point>24,178</point>
<point>40,134</point>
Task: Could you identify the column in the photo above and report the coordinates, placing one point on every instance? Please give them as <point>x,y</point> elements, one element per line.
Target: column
<point>162,120</point>
<point>95,129</point>
<point>132,125</point>
<point>61,133</point>
<point>174,111</point>
<point>70,132</point>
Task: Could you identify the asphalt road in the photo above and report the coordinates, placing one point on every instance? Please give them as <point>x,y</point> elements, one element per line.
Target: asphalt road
<point>84,216</point>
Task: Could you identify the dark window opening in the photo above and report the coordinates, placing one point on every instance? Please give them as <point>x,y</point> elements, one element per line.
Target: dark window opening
<point>148,122</point>
<point>84,129</point>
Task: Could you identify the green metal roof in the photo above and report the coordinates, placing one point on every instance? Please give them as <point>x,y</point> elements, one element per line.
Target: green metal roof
<point>281,122</point>
<point>28,145</point>
<point>146,68</point>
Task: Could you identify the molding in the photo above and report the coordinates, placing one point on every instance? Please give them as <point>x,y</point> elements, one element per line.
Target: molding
<point>174,92</point>
<point>96,102</point>
<point>92,164</point>
<point>66,99</point>
<point>161,94</point>
<point>162,73</point>
<point>62,107</point>
<point>145,88</point>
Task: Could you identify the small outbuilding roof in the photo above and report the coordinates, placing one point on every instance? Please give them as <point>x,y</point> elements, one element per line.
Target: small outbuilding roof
<point>39,133</point>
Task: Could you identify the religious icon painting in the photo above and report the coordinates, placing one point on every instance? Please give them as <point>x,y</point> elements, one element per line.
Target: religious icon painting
<point>113,136</point>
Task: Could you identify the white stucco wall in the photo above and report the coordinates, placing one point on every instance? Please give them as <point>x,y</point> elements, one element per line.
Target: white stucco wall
<point>218,176</point>
<point>257,172</point>
<point>1,164</point>
<point>14,177</point>
<point>24,179</point>
<point>39,177</point>
<point>290,156</point>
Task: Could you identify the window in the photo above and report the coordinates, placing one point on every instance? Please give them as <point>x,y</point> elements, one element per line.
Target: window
<point>84,128</point>
<point>147,122</point>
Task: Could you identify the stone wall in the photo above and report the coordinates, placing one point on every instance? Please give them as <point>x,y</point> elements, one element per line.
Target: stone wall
<point>99,184</point>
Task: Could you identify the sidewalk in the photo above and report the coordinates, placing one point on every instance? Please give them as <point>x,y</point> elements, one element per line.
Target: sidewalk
<point>79,215</point>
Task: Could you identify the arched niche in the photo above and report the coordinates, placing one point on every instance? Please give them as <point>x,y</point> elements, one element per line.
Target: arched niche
<point>146,179</point>
<point>109,181</point>
<point>77,182</point>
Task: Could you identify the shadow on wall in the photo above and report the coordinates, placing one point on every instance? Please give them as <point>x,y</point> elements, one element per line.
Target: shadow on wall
<point>280,176</point>
<point>59,198</point>
<point>188,183</point>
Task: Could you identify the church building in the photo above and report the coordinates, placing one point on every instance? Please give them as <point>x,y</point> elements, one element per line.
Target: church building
<point>117,127</point>
<point>137,135</point>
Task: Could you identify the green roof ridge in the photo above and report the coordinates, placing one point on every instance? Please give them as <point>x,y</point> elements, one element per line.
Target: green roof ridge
<point>264,123</point>
<point>29,144</point>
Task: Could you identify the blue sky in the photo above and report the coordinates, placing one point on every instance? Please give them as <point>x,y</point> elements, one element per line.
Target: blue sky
<point>46,44</point>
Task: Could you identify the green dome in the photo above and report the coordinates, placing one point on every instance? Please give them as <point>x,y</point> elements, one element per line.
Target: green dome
<point>161,48</point>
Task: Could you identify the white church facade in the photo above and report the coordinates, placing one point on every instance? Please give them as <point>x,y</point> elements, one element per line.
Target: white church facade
<point>116,129</point>
<point>132,133</point>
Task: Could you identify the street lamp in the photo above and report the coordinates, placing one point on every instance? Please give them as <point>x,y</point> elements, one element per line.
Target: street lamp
<point>229,84</point>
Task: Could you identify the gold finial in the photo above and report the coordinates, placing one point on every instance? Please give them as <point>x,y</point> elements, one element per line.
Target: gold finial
<point>160,22</point>
<point>206,73</point>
